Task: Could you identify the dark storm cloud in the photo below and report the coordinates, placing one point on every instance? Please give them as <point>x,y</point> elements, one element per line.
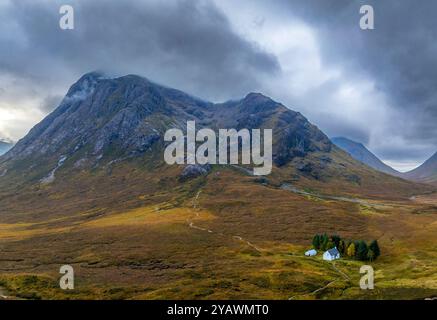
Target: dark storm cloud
<point>187,44</point>
<point>400,55</point>
<point>196,47</point>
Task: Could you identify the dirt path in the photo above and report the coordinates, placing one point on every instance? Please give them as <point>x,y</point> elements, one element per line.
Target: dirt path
<point>341,273</point>
<point>247,242</point>
<point>313,292</point>
<point>193,226</point>
<point>344,275</point>
<point>239,238</point>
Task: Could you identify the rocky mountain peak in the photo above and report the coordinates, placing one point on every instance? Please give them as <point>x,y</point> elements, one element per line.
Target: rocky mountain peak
<point>258,102</point>
<point>85,85</point>
<point>105,119</point>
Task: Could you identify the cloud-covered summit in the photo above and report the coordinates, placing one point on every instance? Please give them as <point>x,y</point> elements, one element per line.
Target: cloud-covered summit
<point>377,87</point>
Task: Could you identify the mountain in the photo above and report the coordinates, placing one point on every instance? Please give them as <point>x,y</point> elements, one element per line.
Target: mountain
<point>359,152</point>
<point>5,146</point>
<point>104,122</point>
<point>427,172</point>
<point>88,187</point>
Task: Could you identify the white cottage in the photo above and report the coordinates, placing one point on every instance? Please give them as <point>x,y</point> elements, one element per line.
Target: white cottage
<point>311,253</point>
<point>331,254</point>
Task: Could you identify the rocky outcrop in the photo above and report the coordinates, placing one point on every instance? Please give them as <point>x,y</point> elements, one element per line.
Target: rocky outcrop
<point>192,171</point>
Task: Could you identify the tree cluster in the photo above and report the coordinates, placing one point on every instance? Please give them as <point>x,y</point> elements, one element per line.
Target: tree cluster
<point>357,249</point>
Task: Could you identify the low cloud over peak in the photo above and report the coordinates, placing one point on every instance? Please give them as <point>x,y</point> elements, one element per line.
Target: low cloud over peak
<point>377,87</point>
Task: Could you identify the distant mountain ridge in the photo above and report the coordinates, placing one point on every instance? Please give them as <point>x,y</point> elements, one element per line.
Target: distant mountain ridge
<point>427,172</point>
<point>359,152</point>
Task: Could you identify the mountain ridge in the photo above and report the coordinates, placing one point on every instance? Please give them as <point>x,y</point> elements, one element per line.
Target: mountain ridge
<point>426,172</point>
<point>359,152</point>
<point>130,113</point>
<point>103,122</point>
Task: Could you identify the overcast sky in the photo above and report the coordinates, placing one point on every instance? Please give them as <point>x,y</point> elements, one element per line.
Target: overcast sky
<point>377,86</point>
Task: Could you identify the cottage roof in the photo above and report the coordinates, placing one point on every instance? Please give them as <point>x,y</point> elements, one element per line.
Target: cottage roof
<point>333,252</point>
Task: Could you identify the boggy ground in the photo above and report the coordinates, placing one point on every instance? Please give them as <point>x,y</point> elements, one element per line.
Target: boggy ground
<point>224,236</point>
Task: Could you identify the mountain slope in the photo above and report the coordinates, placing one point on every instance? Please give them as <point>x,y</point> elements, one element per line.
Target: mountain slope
<point>359,152</point>
<point>427,172</point>
<point>105,123</point>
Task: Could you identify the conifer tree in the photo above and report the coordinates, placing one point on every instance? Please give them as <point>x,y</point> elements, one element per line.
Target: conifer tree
<point>370,255</point>
<point>342,247</point>
<point>362,250</point>
<point>336,240</point>
<point>324,242</point>
<point>356,244</point>
<point>375,248</point>
<point>316,242</point>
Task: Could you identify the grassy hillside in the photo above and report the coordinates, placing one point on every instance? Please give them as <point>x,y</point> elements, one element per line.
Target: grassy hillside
<point>141,233</point>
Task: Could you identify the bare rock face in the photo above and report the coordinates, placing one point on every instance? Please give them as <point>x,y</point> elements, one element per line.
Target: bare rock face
<point>101,120</point>
<point>293,135</point>
<point>192,171</point>
<point>104,120</point>
<point>297,137</point>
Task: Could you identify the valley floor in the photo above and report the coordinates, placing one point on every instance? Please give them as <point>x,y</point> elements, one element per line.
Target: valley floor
<point>226,239</point>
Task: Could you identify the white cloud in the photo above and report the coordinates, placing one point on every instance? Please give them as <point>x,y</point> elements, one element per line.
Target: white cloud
<point>15,123</point>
